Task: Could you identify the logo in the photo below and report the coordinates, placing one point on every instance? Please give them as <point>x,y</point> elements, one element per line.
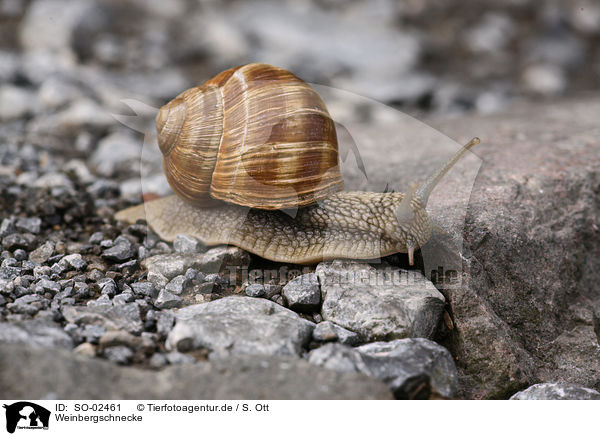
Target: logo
<point>26,415</point>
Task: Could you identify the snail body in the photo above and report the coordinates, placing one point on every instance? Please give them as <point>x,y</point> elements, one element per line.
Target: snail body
<point>234,165</point>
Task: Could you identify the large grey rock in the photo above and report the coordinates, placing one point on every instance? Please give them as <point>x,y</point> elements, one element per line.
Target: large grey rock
<point>556,391</point>
<point>215,259</point>
<point>121,316</point>
<point>528,310</point>
<point>374,304</point>
<point>35,333</point>
<point>412,368</point>
<point>240,325</point>
<point>24,374</point>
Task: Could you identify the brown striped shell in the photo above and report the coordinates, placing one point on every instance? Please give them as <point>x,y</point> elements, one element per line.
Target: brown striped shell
<point>254,135</point>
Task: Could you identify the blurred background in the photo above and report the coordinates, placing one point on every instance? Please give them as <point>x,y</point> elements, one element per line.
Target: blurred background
<point>65,66</point>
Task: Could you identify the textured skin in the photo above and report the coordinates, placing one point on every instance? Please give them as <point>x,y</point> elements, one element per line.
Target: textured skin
<point>358,225</point>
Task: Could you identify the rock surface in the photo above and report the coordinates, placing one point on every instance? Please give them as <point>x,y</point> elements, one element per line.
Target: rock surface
<point>303,294</point>
<point>376,304</point>
<point>412,368</point>
<point>240,325</point>
<point>35,333</point>
<point>557,391</point>
<point>23,373</point>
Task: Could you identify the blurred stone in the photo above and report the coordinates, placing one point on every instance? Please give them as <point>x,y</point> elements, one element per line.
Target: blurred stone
<point>545,79</point>
<point>557,391</point>
<point>15,102</point>
<point>327,331</point>
<point>23,374</point>
<point>117,152</point>
<point>303,293</point>
<point>35,333</point>
<point>236,326</point>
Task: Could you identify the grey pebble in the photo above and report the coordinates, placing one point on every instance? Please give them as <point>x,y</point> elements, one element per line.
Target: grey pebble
<point>165,320</point>
<point>177,358</point>
<point>120,354</point>
<point>144,289</point>
<point>158,360</point>
<point>75,261</point>
<point>557,391</point>
<point>303,293</point>
<point>20,254</point>
<point>327,331</point>
<point>29,225</point>
<point>187,244</point>
<point>121,250</point>
<point>7,227</point>
<point>167,300</point>
<point>176,285</point>
<point>14,241</point>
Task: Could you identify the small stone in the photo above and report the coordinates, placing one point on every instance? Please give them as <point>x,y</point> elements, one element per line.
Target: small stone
<point>85,349</point>
<point>10,272</point>
<point>102,300</point>
<point>187,244</point>
<point>303,293</point>
<point>124,298</point>
<point>256,290</point>
<point>120,354</point>
<point>92,333</point>
<point>28,304</point>
<point>14,241</point>
<point>144,288</point>
<point>118,316</point>
<point>106,243</point>
<point>9,261</point>
<point>75,261</point>
<point>167,300</point>
<point>158,280</point>
<point>20,254</point>
<point>557,391</point>
<point>117,337</point>
<point>96,238</point>
<point>176,285</point>
<point>42,253</point>
<point>95,275</point>
<point>48,286</point>
<point>157,361</point>
<point>327,331</point>
<point>107,286</point>
<point>121,250</point>
<point>81,289</point>
<point>164,323</point>
<point>177,358</point>
<point>116,152</point>
<point>15,102</point>
<point>29,225</point>
<point>7,227</point>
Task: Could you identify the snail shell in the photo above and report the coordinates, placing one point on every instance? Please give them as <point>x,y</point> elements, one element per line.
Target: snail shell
<point>254,135</point>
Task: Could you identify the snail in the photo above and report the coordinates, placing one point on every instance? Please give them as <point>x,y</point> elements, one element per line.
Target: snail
<point>255,141</point>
